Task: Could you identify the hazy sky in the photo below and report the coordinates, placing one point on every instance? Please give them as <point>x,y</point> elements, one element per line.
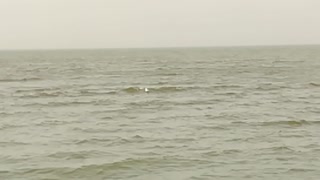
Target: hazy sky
<point>29,24</point>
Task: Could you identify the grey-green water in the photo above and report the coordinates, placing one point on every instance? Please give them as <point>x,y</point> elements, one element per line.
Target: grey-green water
<point>210,113</point>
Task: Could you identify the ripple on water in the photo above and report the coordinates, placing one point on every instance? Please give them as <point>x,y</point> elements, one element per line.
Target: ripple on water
<point>21,79</point>
<point>208,113</point>
<point>290,123</point>
<point>167,89</point>
<point>126,168</point>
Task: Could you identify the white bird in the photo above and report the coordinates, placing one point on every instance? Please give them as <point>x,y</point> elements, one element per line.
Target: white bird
<point>146,90</point>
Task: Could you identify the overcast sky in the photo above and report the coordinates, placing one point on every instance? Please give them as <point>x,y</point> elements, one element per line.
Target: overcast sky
<point>29,24</point>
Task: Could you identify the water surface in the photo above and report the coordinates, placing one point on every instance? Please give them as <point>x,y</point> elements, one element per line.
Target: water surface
<point>210,113</point>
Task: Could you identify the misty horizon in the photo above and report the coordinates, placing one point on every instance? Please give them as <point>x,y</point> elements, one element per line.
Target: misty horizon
<point>168,47</point>
<point>98,24</point>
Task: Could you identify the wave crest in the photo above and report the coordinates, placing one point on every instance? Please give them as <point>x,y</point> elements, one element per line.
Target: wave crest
<point>168,89</point>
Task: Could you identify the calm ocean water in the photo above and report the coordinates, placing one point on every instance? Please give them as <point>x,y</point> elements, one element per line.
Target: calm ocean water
<point>209,113</point>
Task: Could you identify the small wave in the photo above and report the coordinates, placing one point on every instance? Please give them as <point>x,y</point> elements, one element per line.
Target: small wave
<point>167,74</point>
<point>47,93</point>
<point>53,123</point>
<point>240,139</point>
<point>76,155</point>
<point>43,95</point>
<point>9,126</point>
<point>94,130</point>
<point>231,151</point>
<point>314,84</point>
<point>13,113</point>
<point>94,93</point>
<point>92,141</point>
<point>93,170</point>
<point>131,140</point>
<point>162,83</point>
<point>280,148</point>
<point>134,90</point>
<point>57,104</point>
<point>239,122</point>
<point>291,123</point>
<point>21,80</point>
<point>4,172</point>
<point>99,169</point>
<point>49,171</point>
<point>33,90</point>
<point>11,143</point>
<point>108,170</point>
<point>211,127</point>
<point>226,86</point>
<point>133,163</point>
<point>230,93</point>
<point>301,170</point>
<point>223,152</point>
<point>147,103</point>
<point>40,92</point>
<point>268,88</point>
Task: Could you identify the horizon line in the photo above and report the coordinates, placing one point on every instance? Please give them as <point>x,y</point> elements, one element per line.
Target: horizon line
<point>154,47</point>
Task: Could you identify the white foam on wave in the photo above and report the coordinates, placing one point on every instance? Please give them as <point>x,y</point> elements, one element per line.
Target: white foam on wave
<point>144,89</point>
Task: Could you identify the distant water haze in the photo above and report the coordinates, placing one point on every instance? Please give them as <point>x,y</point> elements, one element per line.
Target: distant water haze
<point>59,24</point>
